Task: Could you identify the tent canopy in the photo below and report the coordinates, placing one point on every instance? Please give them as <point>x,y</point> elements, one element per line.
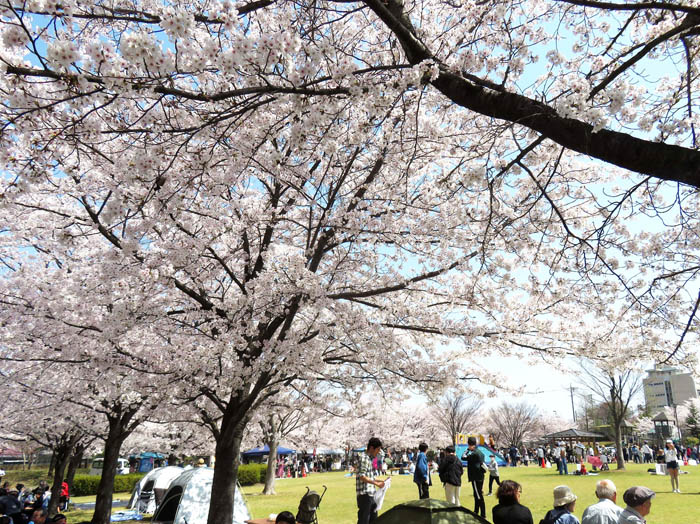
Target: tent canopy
<point>575,434</point>
<point>188,497</point>
<point>265,450</point>
<point>429,511</point>
<point>149,491</point>
<point>148,454</point>
<point>325,451</point>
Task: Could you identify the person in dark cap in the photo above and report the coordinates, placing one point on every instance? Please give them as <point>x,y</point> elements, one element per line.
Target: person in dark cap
<point>59,518</point>
<point>451,472</point>
<point>638,500</point>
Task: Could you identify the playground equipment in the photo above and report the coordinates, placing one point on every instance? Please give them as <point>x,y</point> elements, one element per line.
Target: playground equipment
<point>461,448</point>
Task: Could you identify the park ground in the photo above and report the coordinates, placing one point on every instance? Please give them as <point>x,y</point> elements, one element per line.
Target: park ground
<point>338,505</point>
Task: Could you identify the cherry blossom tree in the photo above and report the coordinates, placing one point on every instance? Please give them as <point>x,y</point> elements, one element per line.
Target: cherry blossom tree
<point>281,416</point>
<point>50,423</point>
<point>170,433</point>
<point>98,379</point>
<point>643,425</point>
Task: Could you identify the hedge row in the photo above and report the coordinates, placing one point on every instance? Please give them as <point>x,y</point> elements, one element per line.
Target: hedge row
<point>248,474</point>
<point>87,484</point>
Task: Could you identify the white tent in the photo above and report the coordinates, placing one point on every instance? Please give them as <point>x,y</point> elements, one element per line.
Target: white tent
<point>187,500</point>
<point>149,491</point>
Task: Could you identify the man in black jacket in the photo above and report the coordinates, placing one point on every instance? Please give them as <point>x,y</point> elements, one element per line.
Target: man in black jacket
<point>475,472</point>
<point>450,472</point>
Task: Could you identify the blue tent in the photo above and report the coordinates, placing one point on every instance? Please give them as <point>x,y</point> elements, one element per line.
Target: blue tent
<point>265,450</point>
<point>146,461</point>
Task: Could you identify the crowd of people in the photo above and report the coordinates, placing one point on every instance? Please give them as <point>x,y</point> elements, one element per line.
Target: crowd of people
<point>21,505</point>
<point>509,509</point>
<point>643,453</point>
<point>637,499</point>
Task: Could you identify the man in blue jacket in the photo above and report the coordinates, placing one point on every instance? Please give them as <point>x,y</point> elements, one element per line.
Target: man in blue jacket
<point>420,476</point>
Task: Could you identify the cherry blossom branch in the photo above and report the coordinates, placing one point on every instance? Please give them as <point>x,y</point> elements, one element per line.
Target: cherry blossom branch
<point>138,16</point>
<point>685,27</point>
<point>641,6</point>
<point>688,325</point>
<point>402,285</point>
<point>663,161</point>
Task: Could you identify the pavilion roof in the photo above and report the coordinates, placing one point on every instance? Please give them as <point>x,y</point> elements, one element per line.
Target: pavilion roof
<point>575,433</point>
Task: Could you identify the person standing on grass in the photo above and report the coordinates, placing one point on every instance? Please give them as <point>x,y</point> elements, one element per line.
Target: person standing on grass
<point>671,459</point>
<point>493,474</point>
<point>563,470</point>
<point>540,456</point>
<point>475,473</point>
<point>420,475</point>
<point>451,472</point>
<point>366,485</point>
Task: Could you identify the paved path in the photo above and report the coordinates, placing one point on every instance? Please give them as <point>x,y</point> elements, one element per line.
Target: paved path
<point>117,503</point>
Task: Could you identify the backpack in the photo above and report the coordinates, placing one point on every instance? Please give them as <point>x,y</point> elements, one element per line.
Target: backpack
<point>552,516</point>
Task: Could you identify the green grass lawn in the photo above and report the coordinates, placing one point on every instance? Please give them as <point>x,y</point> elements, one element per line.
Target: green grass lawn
<point>339,507</point>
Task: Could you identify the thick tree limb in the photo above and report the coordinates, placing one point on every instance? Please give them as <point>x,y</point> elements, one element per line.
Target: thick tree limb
<point>663,161</point>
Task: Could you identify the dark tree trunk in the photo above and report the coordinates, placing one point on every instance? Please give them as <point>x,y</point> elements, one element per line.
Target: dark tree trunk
<point>52,464</point>
<point>228,448</point>
<point>618,446</point>
<point>61,456</point>
<point>74,464</point>
<point>271,462</point>
<point>120,427</point>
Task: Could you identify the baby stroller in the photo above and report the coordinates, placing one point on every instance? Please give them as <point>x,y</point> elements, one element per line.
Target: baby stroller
<point>308,505</point>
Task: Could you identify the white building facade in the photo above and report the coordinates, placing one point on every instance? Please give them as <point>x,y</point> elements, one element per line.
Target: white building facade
<point>668,386</point>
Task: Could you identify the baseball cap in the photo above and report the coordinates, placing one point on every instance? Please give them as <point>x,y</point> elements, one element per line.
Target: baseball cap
<point>637,495</point>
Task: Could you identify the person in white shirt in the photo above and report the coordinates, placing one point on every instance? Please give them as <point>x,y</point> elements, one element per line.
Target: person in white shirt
<point>671,459</point>
<point>605,511</point>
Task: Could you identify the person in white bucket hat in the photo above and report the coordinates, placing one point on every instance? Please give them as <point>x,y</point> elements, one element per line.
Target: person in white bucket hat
<point>564,503</point>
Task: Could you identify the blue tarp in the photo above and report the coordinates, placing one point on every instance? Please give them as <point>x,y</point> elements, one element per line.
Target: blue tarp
<point>122,516</point>
<point>265,450</point>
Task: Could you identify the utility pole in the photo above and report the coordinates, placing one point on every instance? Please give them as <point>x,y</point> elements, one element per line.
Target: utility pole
<point>678,426</point>
<point>573,410</point>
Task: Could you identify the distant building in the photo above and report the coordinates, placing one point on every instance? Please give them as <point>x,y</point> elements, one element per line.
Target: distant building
<point>667,386</point>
